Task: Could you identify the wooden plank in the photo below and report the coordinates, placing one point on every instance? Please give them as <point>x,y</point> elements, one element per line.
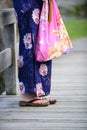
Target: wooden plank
<point>5,59</point>
<point>44,126</point>
<point>11,74</point>
<point>69,85</point>
<point>12,102</point>
<point>62,98</point>
<point>70,92</point>
<point>60,109</point>
<point>53,120</point>
<point>69,113</point>
<point>24,115</point>
<point>7,16</point>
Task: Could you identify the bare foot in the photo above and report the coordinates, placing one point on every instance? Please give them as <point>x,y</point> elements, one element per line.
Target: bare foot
<point>32,100</point>
<point>50,99</point>
<point>27,97</point>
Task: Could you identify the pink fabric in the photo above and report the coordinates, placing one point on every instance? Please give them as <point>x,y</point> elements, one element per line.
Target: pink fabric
<point>53,39</point>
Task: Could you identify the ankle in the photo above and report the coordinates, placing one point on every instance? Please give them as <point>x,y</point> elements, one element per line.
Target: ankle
<point>27,97</point>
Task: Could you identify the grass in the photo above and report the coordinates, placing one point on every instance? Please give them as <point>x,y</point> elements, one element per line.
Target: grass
<point>76,28</point>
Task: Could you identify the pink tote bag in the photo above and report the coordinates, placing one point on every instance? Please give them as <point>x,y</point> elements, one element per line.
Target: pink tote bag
<point>52,39</point>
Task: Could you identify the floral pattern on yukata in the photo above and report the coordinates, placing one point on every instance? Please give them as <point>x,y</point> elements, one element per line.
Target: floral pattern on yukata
<point>36,15</point>
<point>28,41</point>
<point>39,90</point>
<point>22,87</point>
<point>20,61</point>
<point>33,76</point>
<point>43,69</point>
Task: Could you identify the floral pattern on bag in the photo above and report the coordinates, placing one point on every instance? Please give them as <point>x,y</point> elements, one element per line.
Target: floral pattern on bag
<point>53,39</point>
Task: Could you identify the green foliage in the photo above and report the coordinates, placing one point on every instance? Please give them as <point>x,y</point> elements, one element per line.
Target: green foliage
<point>80,10</point>
<point>76,28</point>
<point>65,11</point>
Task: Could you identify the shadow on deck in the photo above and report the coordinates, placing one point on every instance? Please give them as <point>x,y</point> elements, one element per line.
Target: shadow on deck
<point>69,86</point>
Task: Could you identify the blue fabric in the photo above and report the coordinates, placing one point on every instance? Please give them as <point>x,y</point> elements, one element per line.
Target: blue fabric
<point>34,77</point>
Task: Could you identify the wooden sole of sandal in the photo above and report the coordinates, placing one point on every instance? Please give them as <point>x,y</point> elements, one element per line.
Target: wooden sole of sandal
<point>32,103</point>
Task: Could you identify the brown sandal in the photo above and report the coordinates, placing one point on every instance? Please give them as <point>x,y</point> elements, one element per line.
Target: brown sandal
<point>33,102</point>
<point>51,100</point>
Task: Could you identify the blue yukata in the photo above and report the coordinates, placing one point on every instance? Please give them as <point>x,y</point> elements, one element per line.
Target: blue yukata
<point>34,77</point>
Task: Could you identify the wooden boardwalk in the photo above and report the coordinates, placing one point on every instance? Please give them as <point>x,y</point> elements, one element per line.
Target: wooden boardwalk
<point>69,86</point>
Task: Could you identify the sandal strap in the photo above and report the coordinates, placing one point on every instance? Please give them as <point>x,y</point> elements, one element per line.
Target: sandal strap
<point>36,99</point>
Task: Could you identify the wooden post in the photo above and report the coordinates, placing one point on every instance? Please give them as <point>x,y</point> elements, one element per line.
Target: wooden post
<point>9,37</point>
<point>5,59</point>
<point>8,21</point>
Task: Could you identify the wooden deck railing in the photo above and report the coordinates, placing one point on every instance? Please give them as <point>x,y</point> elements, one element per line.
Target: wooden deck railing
<point>8,56</point>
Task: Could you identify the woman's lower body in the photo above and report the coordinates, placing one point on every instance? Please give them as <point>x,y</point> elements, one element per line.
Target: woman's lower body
<point>34,77</point>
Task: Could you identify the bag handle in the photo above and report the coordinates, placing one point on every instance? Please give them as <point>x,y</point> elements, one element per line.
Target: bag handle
<point>50,10</point>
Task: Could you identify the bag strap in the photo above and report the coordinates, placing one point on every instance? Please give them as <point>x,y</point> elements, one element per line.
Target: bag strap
<point>50,10</point>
